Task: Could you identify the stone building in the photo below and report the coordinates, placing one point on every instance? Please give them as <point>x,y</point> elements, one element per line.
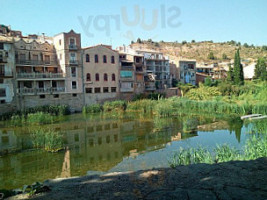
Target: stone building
<point>100,73</point>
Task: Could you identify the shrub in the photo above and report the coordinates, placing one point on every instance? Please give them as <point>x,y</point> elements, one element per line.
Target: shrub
<point>94,108</point>
<point>114,105</point>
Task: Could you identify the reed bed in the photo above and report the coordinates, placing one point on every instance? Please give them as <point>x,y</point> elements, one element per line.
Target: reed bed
<point>256,147</point>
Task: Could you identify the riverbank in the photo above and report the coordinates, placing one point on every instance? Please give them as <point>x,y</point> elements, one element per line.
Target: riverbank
<point>230,180</point>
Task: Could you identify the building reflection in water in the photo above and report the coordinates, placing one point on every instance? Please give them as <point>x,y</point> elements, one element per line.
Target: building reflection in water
<point>93,146</point>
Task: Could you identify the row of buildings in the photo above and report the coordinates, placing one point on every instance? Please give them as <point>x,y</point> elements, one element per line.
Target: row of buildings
<point>39,70</point>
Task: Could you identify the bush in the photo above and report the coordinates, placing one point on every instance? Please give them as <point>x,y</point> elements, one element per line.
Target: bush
<point>94,108</point>
<point>114,105</point>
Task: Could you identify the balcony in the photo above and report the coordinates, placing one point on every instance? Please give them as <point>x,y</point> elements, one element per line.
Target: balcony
<point>126,89</point>
<point>74,62</point>
<point>126,67</point>
<point>6,74</point>
<point>73,47</point>
<point>40,76</point>
<point>35,62</point>
<point>35,91</point>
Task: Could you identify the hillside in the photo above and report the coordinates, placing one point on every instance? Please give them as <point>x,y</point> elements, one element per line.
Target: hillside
<point>201,50</point>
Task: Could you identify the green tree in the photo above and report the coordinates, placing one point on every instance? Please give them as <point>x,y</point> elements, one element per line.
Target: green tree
<point>260,69</point>
<point>193,41</point>
<point>238,70</point>
<point>184,42</point>
<point>139,41</point>
<point>246,45</point>
<point>211,56</point>
<point>230,77</point>
<point>264,48</point>
<point>208,82</point>
<point>224,56</point>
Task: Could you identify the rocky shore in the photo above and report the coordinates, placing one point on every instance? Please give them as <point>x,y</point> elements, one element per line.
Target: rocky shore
<point>224,181</point>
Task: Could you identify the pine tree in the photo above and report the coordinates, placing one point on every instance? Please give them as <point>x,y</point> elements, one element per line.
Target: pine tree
<point>238,70</point>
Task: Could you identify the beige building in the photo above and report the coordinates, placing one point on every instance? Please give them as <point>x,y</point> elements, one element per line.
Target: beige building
<point>100,73</point>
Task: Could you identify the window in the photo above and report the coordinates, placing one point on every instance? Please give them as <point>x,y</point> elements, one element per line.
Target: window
<point>87,58</point>
<point>56,96</point>
<point>105,89</point>
<point>113,77</point>
<point>59,42</point>
<point>104,59</point>
<point>54,84</point>
<point>96,77</point>
<point>88,77</point>
<point>42,96</point>
<point>1,57</point>
<point>74,85</point>
<point>96,58</point>
<point>2,92</point>
<point>88,90</point>
<point>112,59</point>
<point>72,41</point>
<point>2,70</point>
<point>108,139</point>
<point>97,90</point>
<point>191,66</point>
<point>105,77</point>
<point>74,95</point>
<point>22,57</point>
<point>137,60</point>
<point>113,89</point>
<point>1,45</point>
<point>47,59</point>
<point>73,71</point>
<point>2,101</point>
<point>1,80</point>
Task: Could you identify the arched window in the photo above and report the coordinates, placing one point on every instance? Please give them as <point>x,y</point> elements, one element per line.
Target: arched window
<point>104,59</point>
<point>88,77</point>
<point>112,59</point>
<point>87,58</point>
<point>96,58</point>
<point>113,77</point>
<point>97,77</point>
<point>105,77</point>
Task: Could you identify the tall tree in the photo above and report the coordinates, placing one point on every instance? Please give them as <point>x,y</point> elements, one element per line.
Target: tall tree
<point>238,70</point>
<point>230,77</point>
<point>260,69</point>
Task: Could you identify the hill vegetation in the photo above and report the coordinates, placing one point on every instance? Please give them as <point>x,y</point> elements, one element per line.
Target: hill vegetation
<point>205,51</point>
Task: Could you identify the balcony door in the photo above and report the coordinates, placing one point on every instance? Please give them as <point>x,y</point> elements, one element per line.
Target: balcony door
<point>41,84</point>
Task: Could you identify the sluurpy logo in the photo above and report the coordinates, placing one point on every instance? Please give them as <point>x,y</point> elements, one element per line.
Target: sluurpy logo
<point>163,17</point>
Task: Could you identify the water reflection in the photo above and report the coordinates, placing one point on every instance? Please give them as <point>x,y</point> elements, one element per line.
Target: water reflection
<point>93,145</point>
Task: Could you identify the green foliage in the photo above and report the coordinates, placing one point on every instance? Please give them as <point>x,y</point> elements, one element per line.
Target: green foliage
<point>224,153</point>
<point>114,105</point>
<point>238,70</point>
<point>230,75</point>
<point>139,40</point>
<point>163,108</point>
<point>203,93</point>
<point>94,108</point>
<point>256,147</point>
<point>193,41</point>
<point>40,118</point>
<point>211,56</point>
<point>184,42</point>
<point>246,45</point>
<point>48,140</point>
<point>260,69</point>
<point>264,48</point>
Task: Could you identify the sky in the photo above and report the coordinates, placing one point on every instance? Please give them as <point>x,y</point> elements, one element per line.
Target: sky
<point>118,22</point>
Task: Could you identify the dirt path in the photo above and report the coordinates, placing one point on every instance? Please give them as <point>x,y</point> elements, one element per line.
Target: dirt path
<point>232,180</point>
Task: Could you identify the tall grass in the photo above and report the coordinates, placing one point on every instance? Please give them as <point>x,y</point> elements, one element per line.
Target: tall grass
<point>256,147</point>
<point>94,108</point>
<point>114,106</point>
<point>48,140</point>
<point>34,118</point>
